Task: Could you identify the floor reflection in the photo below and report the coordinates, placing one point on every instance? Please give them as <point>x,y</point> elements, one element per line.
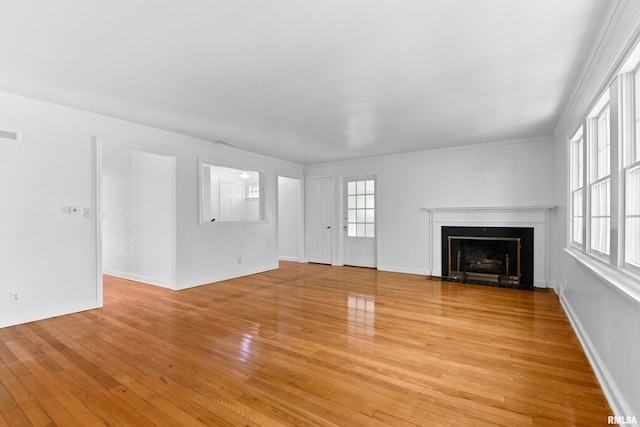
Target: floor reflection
<point>362,315</point>
<point>244,347</point>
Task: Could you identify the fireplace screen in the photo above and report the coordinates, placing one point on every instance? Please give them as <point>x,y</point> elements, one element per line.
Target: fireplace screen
<point>492,259</point>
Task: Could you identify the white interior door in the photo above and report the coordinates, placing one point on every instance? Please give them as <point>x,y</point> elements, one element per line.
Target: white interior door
<point>231,201</point>
<point>360,221</point>
<point>318,208</point>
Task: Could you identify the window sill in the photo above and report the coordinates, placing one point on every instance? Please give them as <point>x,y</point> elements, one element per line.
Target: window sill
<point>623,281</point>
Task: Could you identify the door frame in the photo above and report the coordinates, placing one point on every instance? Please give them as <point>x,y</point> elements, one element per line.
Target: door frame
<point>98,145</point>
<point>301,253</point>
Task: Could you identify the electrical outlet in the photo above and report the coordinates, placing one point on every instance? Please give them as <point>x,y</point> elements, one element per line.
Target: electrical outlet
<point>239,260</point>
<point>15,296</point>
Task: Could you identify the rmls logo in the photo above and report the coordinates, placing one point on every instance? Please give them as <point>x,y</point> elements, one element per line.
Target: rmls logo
<point>622,420</point>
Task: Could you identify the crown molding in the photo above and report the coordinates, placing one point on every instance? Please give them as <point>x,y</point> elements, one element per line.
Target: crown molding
<point>582,96</point>
<point>103,120</point>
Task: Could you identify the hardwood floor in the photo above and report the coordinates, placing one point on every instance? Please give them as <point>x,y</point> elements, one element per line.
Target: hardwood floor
<point>303,345</point>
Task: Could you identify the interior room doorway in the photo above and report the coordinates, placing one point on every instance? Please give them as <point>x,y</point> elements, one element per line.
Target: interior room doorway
<point>136,214</point>
<point>290,219</point>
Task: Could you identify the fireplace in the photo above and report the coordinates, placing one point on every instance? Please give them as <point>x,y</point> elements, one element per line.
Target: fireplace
<point>492,256</point>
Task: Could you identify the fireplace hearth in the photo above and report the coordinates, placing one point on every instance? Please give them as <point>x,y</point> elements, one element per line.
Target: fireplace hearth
<point>490,256</point>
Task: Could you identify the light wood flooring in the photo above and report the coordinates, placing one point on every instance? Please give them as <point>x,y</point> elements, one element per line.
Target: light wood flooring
<point>303,345</point>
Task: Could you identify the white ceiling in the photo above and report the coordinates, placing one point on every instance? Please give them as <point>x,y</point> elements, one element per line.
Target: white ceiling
<point>306,80</point>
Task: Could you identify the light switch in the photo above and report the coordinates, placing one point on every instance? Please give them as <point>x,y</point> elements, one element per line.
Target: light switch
<point>75,210</point>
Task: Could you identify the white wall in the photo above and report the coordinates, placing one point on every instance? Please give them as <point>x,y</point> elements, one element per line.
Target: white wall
<point>138,205</point>
<point>288,218</point>
<point>606,319</point>
<point>46,255</point>
<point>50,256</point>
<point>502,175</point>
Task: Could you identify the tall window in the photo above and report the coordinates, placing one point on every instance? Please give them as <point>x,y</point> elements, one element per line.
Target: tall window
<point>631,173</point>
<point>577,188</point>
<point>604,182</point>
<point>600,181</point>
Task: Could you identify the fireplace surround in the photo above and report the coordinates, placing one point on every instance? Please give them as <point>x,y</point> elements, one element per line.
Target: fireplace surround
<point>535,217</point>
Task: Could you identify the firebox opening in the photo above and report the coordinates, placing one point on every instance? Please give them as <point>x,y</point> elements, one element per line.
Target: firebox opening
<point>492,256</point>
<point>495,259</point>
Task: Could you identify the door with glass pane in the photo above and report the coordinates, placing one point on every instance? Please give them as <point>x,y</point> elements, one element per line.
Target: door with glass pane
<point>360,221</point>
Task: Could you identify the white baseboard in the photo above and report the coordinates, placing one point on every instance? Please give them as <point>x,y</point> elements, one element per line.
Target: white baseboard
<point>618,404</point>
<point>47,313</point>
<point>227,276</point>
<point>556,286</point>
<point>540,284</point>
<point>288,258</point>
<point>406,270</point>
<point>138,278</point>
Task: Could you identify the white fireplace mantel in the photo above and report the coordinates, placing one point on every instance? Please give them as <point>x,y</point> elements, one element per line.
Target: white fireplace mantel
<point>536,217</point>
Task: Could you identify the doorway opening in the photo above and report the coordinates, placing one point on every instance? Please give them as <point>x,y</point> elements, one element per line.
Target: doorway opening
<point>136,215</point>
<point>290,219</point>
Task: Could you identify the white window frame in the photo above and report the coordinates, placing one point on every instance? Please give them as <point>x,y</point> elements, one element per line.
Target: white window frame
<point>576,183</point>
<point>598,179</point>
<point>361,207</point>
<point>622,93</point>
<point>630,164</point>
<point>609,203</point>
<point>631,235</point>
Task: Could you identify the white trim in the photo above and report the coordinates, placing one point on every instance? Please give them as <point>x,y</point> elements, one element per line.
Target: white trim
<point>104,120</point>
<point>97,217</point>
<point>615,11</point>
<point>47,313</point>
<point>626,284</point>
<point>99,144</point>
<point>536,217</point>
<point>300,253</point>
<point>405,270</point>
<point>616,400</point>
<point>226,276</point>
<point>138,278</point>
<point>464,145</point>
<point>489,208</point>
